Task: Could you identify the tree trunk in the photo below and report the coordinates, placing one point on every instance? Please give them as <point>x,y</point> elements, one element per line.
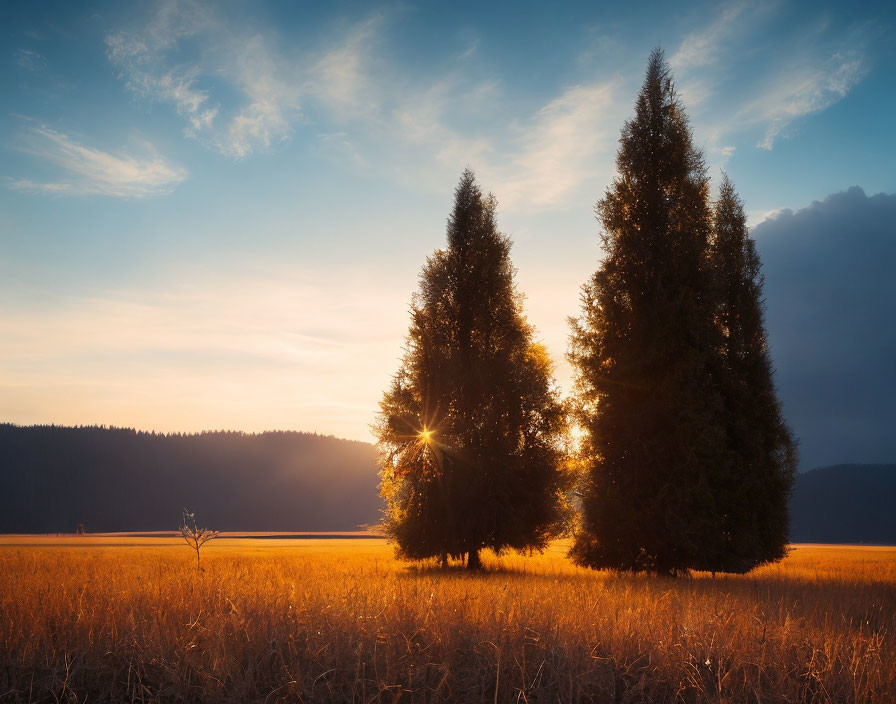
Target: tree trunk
<point>473,562</point>
<point>444,561</point>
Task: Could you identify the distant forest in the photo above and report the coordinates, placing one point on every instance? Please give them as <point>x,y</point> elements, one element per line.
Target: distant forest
<point>111,479</point>
<point>846,503</point>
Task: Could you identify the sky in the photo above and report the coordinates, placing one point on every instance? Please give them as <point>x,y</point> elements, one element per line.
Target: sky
<point>213,215</point>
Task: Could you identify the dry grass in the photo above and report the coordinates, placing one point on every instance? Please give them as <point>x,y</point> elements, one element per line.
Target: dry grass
<point>340,620</point>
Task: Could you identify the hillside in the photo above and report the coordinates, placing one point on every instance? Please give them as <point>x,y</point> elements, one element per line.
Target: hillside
<point>112,479</point>
<point>846,503</point>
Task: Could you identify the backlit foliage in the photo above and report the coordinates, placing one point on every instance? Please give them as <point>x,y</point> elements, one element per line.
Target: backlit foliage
<point>471,431</point>
<point>688,462</point>
<point>646,351</point>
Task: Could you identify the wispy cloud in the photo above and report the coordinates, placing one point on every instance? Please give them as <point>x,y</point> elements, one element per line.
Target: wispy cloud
<point>801,72</point>
<point>423,123</point>
<point>91,171</point>
<point>702,47</point>
<point>361,105</point>
<point>695,63</point>
<point>30,60</point>
<point>139,55</point>
<point>568,139</point>
<point>176,86</point>
<point>152,62</point>
<point>347,78</point>
<point>470,50</point>
<point>802,90</point>
<point>239,90</point>
<point>531,162</point>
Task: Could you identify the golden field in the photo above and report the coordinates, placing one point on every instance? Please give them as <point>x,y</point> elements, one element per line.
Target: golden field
<point>121,619</point>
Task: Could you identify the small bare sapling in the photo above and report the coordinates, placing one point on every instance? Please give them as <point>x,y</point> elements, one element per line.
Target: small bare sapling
<point>195,536</point>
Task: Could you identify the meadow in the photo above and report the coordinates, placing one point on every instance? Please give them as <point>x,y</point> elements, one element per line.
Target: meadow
<point>127,619</point>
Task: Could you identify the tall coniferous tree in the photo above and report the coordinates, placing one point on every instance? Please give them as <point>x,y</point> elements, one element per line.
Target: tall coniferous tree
<point>470,431</point>
<point>763,452</point>
<point>646,350</point>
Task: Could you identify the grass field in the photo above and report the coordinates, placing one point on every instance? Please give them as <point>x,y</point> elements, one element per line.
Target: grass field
<point>121,619</point>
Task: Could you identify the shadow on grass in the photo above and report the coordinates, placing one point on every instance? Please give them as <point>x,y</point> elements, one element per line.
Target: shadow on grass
<point>799,595</point>
<point>517,573</point>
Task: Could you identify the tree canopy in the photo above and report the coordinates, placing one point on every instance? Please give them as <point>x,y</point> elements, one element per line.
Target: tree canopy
<point>470,431</point>
<point>646,349</point>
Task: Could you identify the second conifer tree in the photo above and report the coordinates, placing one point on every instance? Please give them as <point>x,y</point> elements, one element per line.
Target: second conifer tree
<point>645,350</point>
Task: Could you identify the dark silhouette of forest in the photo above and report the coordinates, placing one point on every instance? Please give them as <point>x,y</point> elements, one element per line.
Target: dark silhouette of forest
<point>846,503</point>
<point>53,478</point>
<point>114,479</point>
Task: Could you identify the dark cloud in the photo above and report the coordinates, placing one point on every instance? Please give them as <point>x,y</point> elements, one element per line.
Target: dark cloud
<point>831,312</point>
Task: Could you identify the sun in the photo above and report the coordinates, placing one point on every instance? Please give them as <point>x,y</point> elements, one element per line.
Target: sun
<point>425,436</point>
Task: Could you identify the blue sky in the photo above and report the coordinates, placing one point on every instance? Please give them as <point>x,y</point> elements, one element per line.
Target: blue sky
<point>213,215</point>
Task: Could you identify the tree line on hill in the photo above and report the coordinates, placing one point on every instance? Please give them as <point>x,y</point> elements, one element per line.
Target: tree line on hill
<point>846,503</point>
<point>53,478</point>
<point>685,463</point>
